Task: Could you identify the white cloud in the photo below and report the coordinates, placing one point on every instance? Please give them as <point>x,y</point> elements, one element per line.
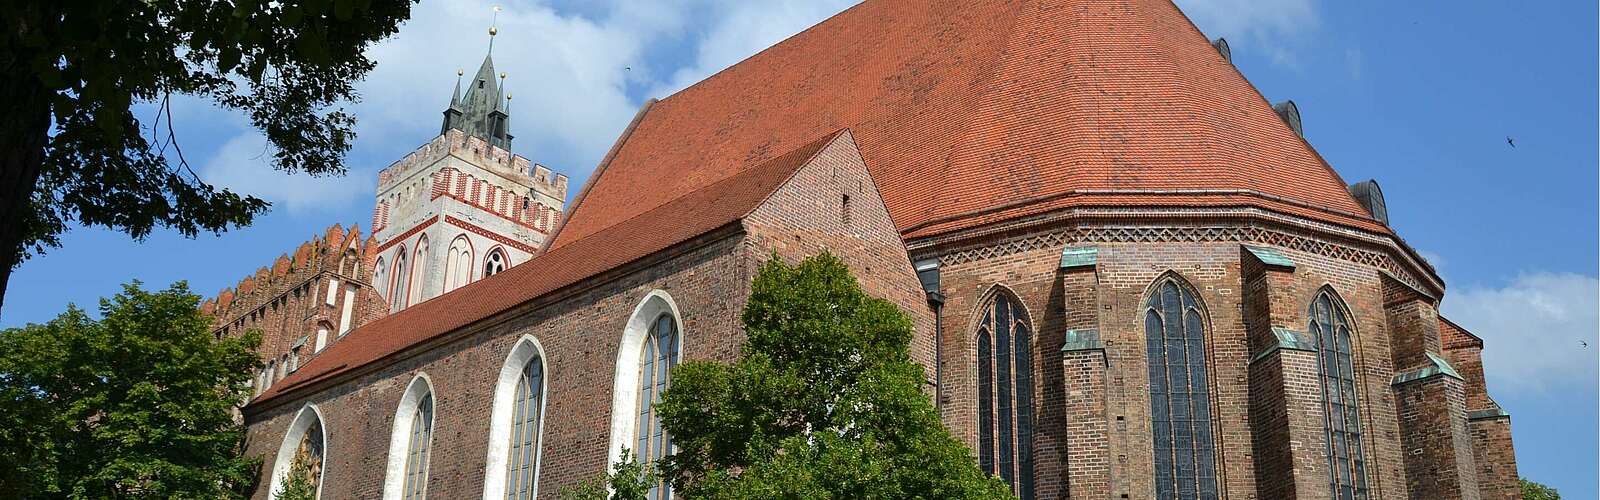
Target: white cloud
<point>745,28</point>
<point>1532,329</point>
<point>1271,26</point>
<point>244,164</point>
<point>568,70</point>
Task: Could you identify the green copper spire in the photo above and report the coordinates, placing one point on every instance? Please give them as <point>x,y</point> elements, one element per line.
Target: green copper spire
<point>481,112</point>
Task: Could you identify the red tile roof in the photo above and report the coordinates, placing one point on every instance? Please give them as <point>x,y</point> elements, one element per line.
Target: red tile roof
<point>695,213</point>
<point>963,108</point>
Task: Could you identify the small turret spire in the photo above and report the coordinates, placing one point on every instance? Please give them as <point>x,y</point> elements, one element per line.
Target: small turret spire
<point>455,98</point>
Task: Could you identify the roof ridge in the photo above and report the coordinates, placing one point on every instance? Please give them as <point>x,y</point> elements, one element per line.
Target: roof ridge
<point>599,170</point>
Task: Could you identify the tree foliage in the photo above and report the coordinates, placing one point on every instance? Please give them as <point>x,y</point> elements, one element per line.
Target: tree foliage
<point>71,72</point>
<point>627,480</point>
<point>138,404</point>
<point>298,485</point>
<point>824,402</point>
<point>1536,491</point>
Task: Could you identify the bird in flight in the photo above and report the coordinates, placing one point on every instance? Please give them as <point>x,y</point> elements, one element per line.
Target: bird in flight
<point>1585,344</point>
<point>1511,141</point>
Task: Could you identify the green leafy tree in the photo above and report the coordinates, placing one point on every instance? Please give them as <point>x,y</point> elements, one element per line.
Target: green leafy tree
<point>1536,491</point>
<point>137,404</point>
<point>71,72</point>
<point>824,402</point>
<point>298,485</point>
<point>628,480</point>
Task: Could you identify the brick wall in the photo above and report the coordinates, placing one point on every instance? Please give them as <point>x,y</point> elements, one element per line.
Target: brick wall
<point>579,332</point>
<point>289,301</point>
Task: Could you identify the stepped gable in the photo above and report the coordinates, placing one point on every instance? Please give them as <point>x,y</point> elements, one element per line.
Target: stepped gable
<point>971,111</point>
<point>699,212</point>
<point>324,252</point>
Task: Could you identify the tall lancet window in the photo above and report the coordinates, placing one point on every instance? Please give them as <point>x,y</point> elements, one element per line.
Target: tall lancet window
<point>524,449</point>
<point>419,270</point>
<point>1180,402</point>
<point>410,443</point>
<point>660,355</point>
<point>1005,395</point>
<point>402,281</point>
<point>380,276</point>
<point>416,487</point>
<point>1330,325</point>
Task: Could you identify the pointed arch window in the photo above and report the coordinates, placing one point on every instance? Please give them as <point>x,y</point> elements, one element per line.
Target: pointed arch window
<point>1005,395</point>
<point>494,263</point>
<point>402,281</point>
<point>1180,402</point>
<point>1330,325</point>
<point>380,277</point>
<point>308,456</point>
<point>419,271</point>
<point>416,487</point>
<point>525,431</point>
<point>458,263</point>
<point>302,451</point>
<point>660,355</point>
<point>410,443</point>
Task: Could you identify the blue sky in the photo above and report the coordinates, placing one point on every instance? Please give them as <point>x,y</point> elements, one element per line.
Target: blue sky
<point>1419,95</point>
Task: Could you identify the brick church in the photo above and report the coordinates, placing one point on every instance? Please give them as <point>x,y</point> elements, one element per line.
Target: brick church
<point>1131,275</point>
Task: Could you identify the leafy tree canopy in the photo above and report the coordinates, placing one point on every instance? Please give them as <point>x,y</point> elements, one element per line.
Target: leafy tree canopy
<point>72,149</point>
<point>824,402</point>
<point>137,404</point>
<point>1536,491</point>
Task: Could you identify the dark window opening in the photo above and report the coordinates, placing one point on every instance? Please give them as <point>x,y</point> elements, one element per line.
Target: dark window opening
<point>1347,469</point>
<point>1005,396</point>
<point>1180,402</point>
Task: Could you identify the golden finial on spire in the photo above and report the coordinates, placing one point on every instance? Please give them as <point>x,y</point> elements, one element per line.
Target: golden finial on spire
<point>495,20</point>
<point>502,75</point>
<point>460,72</point>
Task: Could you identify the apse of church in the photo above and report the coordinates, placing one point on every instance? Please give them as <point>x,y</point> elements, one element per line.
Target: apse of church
<point>1130,276</point>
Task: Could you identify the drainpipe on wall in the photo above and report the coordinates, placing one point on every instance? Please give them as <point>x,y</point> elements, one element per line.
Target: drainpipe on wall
<point>928,274</point>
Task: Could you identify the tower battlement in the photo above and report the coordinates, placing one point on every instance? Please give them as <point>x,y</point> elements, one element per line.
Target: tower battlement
<point>480,153</point>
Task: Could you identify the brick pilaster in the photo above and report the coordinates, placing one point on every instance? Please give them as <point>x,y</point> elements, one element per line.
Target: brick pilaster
<point>1087,451</point>
<point>1431,399</point>
<point>1494,455</point>
<point>1286,414</point>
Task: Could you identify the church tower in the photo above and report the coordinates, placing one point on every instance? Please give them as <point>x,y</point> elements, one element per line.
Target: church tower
<point>462,207</point>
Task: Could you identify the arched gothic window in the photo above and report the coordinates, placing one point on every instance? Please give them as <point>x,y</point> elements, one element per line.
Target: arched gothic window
<point>526,405</point>
<point>380,277</point>
<point>308,456</point>
<point>302,451</point>
<point>494,263</point>
<point>419,271</point>
<point>458,263</point>
<point>651,345</point>
<point>1330,325</point>
<point>660,355</point>
<point>417,451</point>
<point>406,476</point>
<point>1180,402</point>
<point>402,281</point>
<point>1005,395</point>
